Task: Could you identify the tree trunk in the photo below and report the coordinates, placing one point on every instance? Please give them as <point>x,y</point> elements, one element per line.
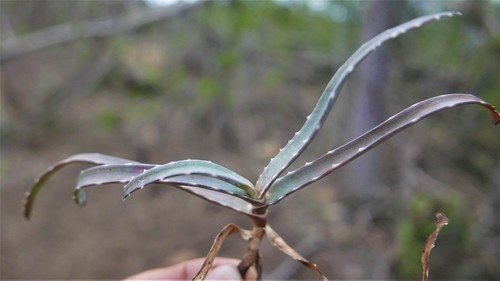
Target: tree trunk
<point>378,16</point>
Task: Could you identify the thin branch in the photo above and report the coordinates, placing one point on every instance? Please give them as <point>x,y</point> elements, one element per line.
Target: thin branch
<point>85,29</point>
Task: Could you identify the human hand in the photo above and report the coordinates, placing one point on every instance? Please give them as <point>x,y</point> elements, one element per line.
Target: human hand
<point>222,269</point>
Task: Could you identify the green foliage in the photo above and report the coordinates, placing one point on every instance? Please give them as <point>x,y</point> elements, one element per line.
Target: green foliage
<point>228,59</point>
<point>108,119</point>
<point>176,81</point>
<point>273,79</point>
<point>240,30</point>
<point>208,88</point>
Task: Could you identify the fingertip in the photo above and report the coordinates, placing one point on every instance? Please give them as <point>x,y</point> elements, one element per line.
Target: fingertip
<point>230,272</point>
<point>224,272</point>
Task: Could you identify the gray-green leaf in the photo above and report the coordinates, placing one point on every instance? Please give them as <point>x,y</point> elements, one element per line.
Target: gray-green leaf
<point>90,158</point>
<point>316,119</point>
<point>337,158</point>
<point>189,167</point>
<point>107,174</point>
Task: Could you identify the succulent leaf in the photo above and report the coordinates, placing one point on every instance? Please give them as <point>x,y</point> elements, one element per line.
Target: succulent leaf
<point>110,174</point>
<point>189,167</point>
<point>214,184</point>
<point>337,158</point>
<point>316,119</point>
<point>107,174</point>
<point>90,158</point>
<point>222,199</point>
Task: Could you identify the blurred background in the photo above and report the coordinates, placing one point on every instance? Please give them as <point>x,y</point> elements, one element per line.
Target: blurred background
<point>231,81</point>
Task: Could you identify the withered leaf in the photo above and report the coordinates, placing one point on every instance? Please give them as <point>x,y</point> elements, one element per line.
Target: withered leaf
<point>441,220</point>
<point>279,243</point>
<point>219,239</point>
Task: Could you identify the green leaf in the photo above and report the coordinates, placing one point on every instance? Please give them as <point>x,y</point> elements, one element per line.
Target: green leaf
<point>107,174</point>
<point>316,119</point>
<point>222,199</point>
<point>214,184</point>
<point>210,189</point>
<point>90,158</point>
<point>337,158</point>
<point>189,167</point>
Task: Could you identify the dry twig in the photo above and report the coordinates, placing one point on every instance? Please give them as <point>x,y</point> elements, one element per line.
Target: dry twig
<point>441,220</point>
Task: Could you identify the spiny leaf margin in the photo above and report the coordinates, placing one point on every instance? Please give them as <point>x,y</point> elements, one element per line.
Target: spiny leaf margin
<point>188,167</point>
<point>333,160</point>
<point>88,158</point>
<point>315,120</point>
<point>109,174</point>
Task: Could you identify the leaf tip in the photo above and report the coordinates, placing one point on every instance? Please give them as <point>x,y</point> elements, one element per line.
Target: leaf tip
<point>439,16</point>
<point>455,13</point>
<point>27,203</point>
<point>80,197</point>
<point>495,115</point>
<point>125,195</point>
<point>441,220</point>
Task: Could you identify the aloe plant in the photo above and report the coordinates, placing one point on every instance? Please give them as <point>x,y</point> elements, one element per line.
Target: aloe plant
<point>226,188</point>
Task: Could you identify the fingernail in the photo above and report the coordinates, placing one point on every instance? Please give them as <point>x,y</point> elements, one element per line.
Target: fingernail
<point>224,272</point>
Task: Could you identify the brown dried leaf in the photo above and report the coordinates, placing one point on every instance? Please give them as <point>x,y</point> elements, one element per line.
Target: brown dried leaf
<point>495,115</point>
<point>279,243</point>
<point>219,239</point>
<point>441,220</point>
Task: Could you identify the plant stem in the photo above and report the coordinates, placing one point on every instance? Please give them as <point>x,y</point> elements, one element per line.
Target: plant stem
<point>251,255</point>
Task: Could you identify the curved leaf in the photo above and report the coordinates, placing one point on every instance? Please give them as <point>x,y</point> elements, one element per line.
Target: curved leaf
<point>189,167</point>
<point>90,158</point>
<point>110,174</point>
<point>278,242</point>
<point>316,119</point>
<point>222,199</point>
<point>214,184</point>
<point>107,174</point>
<point>337,158</point>
<point>219,239</point>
